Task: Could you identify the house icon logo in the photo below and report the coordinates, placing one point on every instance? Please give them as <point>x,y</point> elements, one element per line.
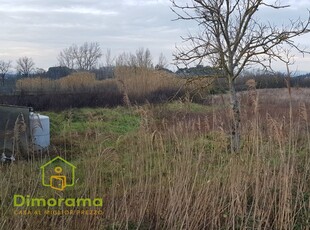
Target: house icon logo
<point>58,174</point>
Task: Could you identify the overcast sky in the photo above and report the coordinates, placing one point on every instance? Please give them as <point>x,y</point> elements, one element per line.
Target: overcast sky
<point>42,28</point>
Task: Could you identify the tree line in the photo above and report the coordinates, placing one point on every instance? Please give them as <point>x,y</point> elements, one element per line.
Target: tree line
<point>85,57</point>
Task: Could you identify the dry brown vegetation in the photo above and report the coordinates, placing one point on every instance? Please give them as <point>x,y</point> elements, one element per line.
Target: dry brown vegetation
<point>130,86</point>
<point>138,83</point>
<point>75,83</point>
<point>176,171</point>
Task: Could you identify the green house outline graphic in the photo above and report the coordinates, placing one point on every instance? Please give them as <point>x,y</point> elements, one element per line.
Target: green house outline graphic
<point>50,162</point>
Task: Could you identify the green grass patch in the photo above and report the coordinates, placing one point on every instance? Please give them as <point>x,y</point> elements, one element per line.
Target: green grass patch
<point>71,129</point>
<point>110,121</point>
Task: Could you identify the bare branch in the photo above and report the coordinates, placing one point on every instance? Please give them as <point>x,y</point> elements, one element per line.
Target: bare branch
<point>84,57</point>
<point>25,66</point>
<point>4,69</point>
<point>231,38</point>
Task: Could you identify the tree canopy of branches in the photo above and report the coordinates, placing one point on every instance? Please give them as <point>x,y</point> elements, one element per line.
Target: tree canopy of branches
<point>25,66</point>
<point>232,37</point>
<point>4,68</point>
<point>142,59</point>
<point>84,57</point>
<point>162,62</point>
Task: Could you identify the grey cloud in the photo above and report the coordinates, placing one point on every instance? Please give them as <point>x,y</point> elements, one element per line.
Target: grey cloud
<point>42,28</point>
<point>117,25</point>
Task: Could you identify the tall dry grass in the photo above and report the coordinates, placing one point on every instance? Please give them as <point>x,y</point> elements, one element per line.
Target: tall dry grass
<point>80,82</point>
<point>188,180</point>
<point>138,83</point>
<point>182,177</point>
<point>37,84</point>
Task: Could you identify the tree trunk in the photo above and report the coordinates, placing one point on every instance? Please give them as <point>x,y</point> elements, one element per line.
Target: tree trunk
<point>235,119</point>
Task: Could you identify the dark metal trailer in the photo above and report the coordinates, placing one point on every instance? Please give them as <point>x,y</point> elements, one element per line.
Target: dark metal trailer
<point>14,131</point>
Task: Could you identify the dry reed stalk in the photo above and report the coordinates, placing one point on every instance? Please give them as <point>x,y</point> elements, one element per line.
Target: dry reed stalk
<point>124,91</point>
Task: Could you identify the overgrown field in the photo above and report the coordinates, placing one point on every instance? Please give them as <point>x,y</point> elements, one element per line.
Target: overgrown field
<point>169,166</point>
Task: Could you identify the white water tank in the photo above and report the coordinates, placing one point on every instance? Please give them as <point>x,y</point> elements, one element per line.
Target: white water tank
<point>40,130</point>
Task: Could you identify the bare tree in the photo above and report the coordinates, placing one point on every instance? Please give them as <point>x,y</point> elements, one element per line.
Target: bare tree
<point>84,57</point>
<point>162,62</point>
<point>123,59</point>
<point>25,66</point>
<point>232,38</point>
<point>66,58</point>
<point>109,60</point>
<point>144,58</point>
<point>4,69</point>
